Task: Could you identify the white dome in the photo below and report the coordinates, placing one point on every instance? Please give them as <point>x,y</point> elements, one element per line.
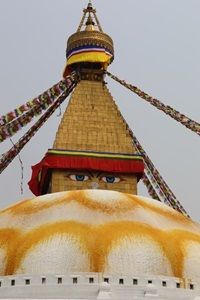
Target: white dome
<point>97,231</point>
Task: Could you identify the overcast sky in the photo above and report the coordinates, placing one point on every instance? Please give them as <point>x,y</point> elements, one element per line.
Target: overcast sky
<point>157,47</point>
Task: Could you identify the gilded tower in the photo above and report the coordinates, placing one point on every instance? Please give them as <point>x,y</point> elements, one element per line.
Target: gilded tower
<point>93,142</point>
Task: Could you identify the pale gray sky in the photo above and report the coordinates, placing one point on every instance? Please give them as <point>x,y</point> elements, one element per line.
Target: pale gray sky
<point>157,47</point>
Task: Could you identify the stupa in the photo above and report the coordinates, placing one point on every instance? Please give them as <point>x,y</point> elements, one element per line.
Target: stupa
<point>87,234</point>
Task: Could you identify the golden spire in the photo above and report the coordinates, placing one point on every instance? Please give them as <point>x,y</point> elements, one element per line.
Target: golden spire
<point>92,136</point>
<point>92,130</point>
<point>89,24</point>
<point>90,13</point>
<point>89,44</point>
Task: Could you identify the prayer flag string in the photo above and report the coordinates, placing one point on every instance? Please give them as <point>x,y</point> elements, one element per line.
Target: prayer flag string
<point>12,122</point>
<point>168,110</point>
<point>156,181</point>
<point>151,190</point>
<point>8,157</point>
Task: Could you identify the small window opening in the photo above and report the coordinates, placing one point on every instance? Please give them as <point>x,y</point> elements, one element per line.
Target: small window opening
<point>121,281</point>
<point>75,280</point>
<point>59,280</point>
<point>27,281</point>
<point>149,281</point>
<point>13,282</point>
<point>178,285</point>
<point>192,286</point>
<point>164,283</point>
<point>43,280</point>
<point>135,281</point>
<point>91,280</point>
<point>106,280</point>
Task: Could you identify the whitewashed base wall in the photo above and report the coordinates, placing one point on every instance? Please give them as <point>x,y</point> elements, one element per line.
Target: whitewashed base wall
<point>87,286</point>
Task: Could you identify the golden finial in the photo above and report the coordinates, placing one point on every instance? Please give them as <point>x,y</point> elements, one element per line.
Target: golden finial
<point>89,35</point>
<point>89,24</point>
<point>89,5</point>
<point>88,14</point>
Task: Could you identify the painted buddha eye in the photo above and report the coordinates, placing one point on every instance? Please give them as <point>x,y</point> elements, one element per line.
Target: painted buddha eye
<point>79,177</point>
<point>111,179</point>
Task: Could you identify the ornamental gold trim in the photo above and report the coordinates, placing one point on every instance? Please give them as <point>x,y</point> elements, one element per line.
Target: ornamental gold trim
<point>90,38</point>
<point>95,154</point>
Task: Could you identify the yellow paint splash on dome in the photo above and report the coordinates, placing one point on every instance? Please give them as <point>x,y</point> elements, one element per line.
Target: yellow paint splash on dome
<point>31,239</point>
<point>96,242</point>
<point>31,206</point>
<point>171,214</point>
<point>9,239</point>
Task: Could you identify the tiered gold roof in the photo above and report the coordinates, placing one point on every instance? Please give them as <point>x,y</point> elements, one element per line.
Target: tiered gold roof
<point>92,121</point>
<point>92,33</point>
<point>89,38</point>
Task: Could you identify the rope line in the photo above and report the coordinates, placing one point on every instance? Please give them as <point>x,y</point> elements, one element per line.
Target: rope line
<point>8,157</point>
<point>151,190</point>
<point>157,182</point>
<point>14,121</point>
<point>168,110</point>
<point>22,170</point>
<point>153,185</point>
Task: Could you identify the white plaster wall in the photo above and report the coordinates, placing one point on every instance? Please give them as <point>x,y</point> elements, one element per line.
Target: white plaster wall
<point>118,288</point>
